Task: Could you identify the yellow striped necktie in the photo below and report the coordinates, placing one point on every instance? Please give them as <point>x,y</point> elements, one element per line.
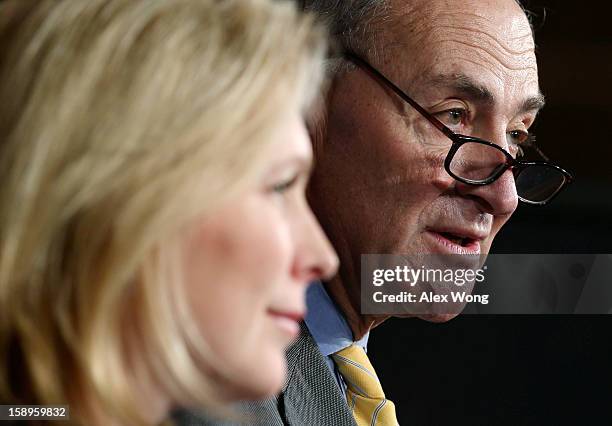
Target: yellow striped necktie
<point>364,393</point>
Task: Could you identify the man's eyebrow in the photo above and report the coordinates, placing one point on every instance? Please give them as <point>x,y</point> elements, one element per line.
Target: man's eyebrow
<point>534,103</point>
<point>465,85</point>
<point>479,93</point>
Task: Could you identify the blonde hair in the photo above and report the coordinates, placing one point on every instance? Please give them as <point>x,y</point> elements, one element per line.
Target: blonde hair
<point>120,121</point>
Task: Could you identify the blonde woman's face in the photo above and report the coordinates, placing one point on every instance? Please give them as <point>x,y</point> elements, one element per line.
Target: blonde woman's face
<point>248,265</point>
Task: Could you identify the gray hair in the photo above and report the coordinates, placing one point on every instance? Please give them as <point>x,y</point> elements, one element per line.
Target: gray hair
<point>350,21</point>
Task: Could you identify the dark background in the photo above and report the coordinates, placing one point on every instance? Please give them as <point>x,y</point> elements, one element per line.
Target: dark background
<point>528,369</point>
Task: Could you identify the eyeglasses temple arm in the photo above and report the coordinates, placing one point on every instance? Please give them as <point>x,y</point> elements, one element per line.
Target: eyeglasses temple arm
<point>539,151</point>
<point>399,92</point>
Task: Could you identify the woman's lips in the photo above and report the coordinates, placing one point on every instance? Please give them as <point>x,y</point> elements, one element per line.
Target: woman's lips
<point>287,321</point>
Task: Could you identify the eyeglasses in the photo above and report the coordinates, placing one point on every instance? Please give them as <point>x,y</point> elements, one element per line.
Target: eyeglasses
<point>476,161</point>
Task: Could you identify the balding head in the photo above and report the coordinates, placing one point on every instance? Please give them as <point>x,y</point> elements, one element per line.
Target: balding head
<point>356,24</point>
<point>494,34</point>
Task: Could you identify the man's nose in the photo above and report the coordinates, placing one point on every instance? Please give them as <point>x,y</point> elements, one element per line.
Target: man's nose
<point>500,197</point>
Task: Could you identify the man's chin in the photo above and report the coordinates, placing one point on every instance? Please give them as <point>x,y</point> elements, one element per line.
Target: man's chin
<point>438,317</point>
<point>429,317</point>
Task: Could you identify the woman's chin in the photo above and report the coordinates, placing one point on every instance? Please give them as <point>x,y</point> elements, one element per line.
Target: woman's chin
<point>260,382</point>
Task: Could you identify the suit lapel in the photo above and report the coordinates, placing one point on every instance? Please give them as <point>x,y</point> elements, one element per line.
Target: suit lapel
<point>311,395</point>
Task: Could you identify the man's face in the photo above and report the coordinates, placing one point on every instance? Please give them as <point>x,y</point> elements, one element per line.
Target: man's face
<point>379,185</point>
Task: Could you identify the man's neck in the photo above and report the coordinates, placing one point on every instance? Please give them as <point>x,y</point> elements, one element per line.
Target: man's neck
<point>350,308</point>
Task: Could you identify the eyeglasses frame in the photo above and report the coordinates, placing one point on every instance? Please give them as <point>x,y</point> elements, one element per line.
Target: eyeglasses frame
<point>458,139</point>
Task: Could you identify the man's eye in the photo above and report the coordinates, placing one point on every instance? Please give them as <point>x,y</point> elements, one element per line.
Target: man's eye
<point>453,117</point>
<point>519,136</point>
<point>517,140</point>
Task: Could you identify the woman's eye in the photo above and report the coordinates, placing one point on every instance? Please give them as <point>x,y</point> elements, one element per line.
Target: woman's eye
<point>285,185</point>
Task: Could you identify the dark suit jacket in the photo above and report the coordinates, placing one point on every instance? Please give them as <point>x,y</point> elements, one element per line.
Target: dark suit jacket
<point>311,396</point>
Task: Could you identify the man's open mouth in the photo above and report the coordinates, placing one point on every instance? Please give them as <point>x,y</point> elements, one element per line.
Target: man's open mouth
<point>462,241</point>
<point>456,240</point>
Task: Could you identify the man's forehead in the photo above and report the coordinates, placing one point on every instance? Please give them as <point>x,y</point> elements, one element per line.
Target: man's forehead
<point>500,22</point>
<point>484,49</point>
<point>475,8</point>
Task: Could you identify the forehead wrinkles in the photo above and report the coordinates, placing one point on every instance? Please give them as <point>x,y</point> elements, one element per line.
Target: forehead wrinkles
<point>500,43</point>
<point>512,47</point>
